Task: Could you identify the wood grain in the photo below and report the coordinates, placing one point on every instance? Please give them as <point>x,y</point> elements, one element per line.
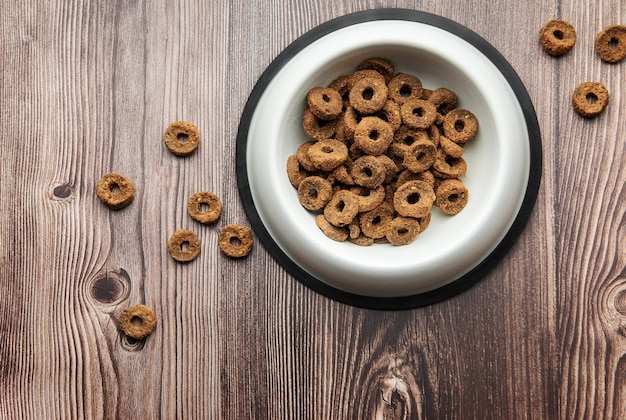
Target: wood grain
<point>89,87</point>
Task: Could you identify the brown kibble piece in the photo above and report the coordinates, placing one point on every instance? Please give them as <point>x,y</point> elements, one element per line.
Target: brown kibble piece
<point>450,148</point>
<point>460,126</point>
<point>557,37</point>
<point>342,208</point>
<point>316,128</point>
<point>368,95</point>
<point>314,192</point>
<point>444,100</point>
<point>404,87</point>
<point>369,172</point>
<point>324,103</point>
<point>611,43</point>
<point>339,234</point>
<point>381,65</point>
<point>373,136</point>
<point>184,245</point>
<point>413,199</point>
<point>420,156</point>
<point>137,321</point>
<point>182,138</point>
<point>327,154</point>
<point>235,241</point>
<point>402,230</point>
<point>295,172</point>
<point>201,199</point>
<point>115,190</point>
<point>447,166</point>
<point>418,113</point>
<point>451,195</point>
<point>374,223</point>
<point>590,99</point>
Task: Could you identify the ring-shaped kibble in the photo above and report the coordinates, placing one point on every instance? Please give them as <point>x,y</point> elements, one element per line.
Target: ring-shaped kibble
<point>182,138</point>
<point>379,64</point>
<point>302,154</point>
<point>213,204</point>
<point>342,85</point>
<point>339,234</point>
<point>137,321</point>
<point>407,175</point>
<point>235,241</point>
<point>314,192</point>
<point>295,172</point>
<point>351,119</point>
<point>368,95</point>
<point>342,208</point>
<point>367,171</point>
<point>557,37</point>
<point>434,133</point>
<point>184,245</point>
<point>413,199</point>
<point>342,174</point>
<point>391,169</point>
<point>402,230</point>
<point>374,223</point>
<point>316,128</point>
<point>450,148</point>
<point>404,87</point>
<point>390,113</point>
<point>368,199</point>
<point>403,138</point>
<point>354,228</point>
<point>424,221</point>
<point>444,100</point>
<point>362,240</point>
<point>611,43</point>
<point>418,113</point>
<point>448,167</point>
<point>420,156</point>
<point>451,196</point>
<point>325,103</point>
<point>115,190</point>
<point>327,154</point>
<point>460,125</point>
<point>373,135</point>
<point>359,75</point>
<point>590,99</point>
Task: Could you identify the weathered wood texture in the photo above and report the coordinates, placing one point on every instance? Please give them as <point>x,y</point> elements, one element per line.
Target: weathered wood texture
<point>88,87</point>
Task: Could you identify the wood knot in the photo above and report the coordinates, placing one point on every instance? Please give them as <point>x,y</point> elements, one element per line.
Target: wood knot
<point>130,344</point>
<point>395,399</point>
<point>63,191</point>
<point>620,302</point>
<point>110,286</point>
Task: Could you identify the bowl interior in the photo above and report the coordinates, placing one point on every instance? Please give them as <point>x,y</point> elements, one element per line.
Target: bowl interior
<point>498,160</point>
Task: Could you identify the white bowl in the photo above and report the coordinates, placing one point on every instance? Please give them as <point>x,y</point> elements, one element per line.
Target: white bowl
<point>500,159</point>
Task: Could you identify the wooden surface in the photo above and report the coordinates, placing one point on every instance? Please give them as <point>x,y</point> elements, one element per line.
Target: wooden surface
<point>88,87</point>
